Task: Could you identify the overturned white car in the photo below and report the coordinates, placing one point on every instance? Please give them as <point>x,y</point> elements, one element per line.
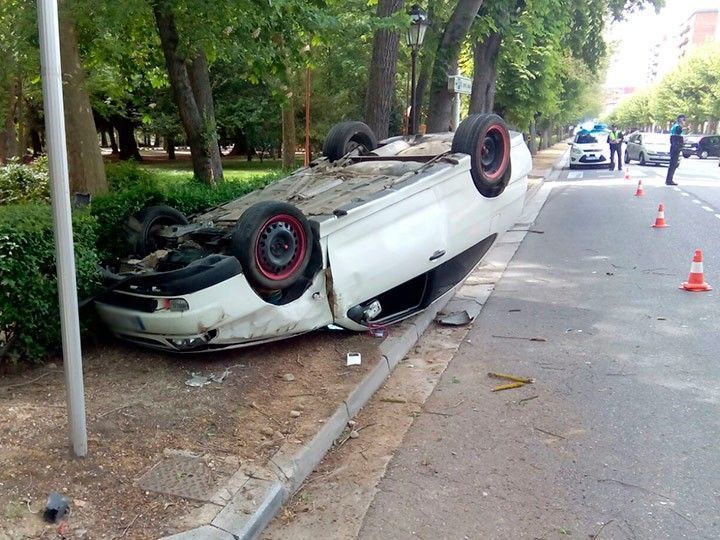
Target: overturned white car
<point>367,235</point>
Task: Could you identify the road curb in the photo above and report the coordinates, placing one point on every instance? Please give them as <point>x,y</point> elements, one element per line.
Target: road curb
<point>252,508</point>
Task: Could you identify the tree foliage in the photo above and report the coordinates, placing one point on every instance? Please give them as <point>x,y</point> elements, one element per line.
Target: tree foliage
<point>692,88</point>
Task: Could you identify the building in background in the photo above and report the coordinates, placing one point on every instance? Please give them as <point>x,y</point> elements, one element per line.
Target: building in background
<point>701,27</point>
<point>664,56</point>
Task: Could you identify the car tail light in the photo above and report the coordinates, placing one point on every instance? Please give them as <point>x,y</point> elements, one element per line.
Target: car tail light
<point>173,304</point>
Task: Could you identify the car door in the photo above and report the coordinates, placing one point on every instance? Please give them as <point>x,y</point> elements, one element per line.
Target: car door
<point>385,249</point>
<point>714,149</point>
<point>632,146</point>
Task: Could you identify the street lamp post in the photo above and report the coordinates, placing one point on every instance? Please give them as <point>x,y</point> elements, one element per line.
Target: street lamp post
<point>415,37</point>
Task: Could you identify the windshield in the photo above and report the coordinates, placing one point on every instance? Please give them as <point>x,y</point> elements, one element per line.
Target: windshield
<point>590,138</point>
<point>656,138</point>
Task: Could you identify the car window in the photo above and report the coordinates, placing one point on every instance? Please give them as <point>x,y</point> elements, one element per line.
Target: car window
<point>656,138</point>
<point>587,138</point>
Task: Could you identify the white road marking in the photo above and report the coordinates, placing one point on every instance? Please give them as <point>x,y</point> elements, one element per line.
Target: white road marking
<point>676,188</point>
<point>717,216</point>
<point>685,194</point>
<point>696,201</point>
<point>707,208</point>
<point>575,174</point>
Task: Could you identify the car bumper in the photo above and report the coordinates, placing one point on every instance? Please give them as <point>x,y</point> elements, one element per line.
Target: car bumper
<point>657,158</point>
<point>581,161</point>
<point>225,315</point>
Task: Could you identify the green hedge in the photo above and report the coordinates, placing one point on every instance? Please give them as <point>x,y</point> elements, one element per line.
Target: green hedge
<point>29,320</point>
<point>24,183</point>
<point>112,210</point>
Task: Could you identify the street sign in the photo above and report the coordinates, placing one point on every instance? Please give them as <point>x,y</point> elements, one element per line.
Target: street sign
<point>457,84</point>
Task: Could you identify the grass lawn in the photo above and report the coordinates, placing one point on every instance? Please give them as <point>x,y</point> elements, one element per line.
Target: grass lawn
<point>234,169</point>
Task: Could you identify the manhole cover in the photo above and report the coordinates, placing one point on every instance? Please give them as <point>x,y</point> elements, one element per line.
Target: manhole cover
<point>185,477</point>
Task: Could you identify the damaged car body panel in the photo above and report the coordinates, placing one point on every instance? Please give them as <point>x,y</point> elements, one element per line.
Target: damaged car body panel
<point>367,235</point>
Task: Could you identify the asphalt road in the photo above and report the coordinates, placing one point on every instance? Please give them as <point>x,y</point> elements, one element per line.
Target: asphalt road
<point>619,436</point>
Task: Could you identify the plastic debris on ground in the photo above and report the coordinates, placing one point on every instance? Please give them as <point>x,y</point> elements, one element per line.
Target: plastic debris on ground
<point>354,359</point>
<point>198,381</point>
<point>56,508</point>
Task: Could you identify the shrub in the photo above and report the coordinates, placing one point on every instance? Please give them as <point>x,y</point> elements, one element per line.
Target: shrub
<point>29,322</point>
<point>128,175</point>
<point>24,183</point>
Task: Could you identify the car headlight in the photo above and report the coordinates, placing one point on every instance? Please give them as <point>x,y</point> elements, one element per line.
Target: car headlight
<point>576,151</point>
<point>173,304</point>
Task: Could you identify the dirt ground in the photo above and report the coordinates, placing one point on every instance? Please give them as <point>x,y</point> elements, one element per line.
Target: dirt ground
<point>139,408</point>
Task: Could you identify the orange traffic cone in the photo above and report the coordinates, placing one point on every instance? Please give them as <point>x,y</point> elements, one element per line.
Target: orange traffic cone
<point>660,219</point>
<point>639,192</point>
<point>696,281</point>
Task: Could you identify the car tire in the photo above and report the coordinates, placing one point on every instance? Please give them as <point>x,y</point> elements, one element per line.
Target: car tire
<point>627,157</point>
<point>703,155</point>
<point>686,156</point>
<point>486,139</point>
<point>273,242</point>
<point>345,137</point>
<point>642,159</point>
<point>142,227</point>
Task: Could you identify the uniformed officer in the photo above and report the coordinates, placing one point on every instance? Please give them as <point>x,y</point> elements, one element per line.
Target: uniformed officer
<point>615,140</point>
<point>676,144</point>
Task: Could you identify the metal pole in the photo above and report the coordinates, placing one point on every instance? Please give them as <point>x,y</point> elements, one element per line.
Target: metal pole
<point>307,118</point>
<point>62,220</point>
<point>413,95</point>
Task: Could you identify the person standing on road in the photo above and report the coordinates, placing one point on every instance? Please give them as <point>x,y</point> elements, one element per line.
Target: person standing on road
<point>615,139</point>
<point>676,144</point>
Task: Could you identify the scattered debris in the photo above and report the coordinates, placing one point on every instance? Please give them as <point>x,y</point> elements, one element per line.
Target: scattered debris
<point>537,338</point>
<point>609,274</point>
<point>56,508</point>
<point>514,310</point>
<point>267,431</point>
<point>549,433</point>
<point>515,378</point>
<point>509,386</point>
<point>661,319</point>
<point>351,423</point>
<point>295,414</point>
<point>354,434</point>
<point>458,318</point>
<point>523,400</point>
<point>354,359</point>
<point>288,377</point>
<point>455,380</point>
<point>198,381</point>
<point>377,331</point>
<point>254,405</point>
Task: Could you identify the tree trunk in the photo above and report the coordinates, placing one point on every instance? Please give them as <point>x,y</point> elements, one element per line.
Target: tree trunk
<point>85,164</point>
<point>288,133</point>
<point>126,137</point>
<point>383,68</point>
<point>446,61</point>
<point>192,96</point>
<point>9,136</point>
<point>485,55</point>
<point>170,142</point>
<point>532,142</point>
<point>113,141</point>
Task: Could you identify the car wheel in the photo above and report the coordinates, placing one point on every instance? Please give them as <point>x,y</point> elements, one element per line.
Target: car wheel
<point>627,157</point>
<point>703,154</point>
<point>273,242</point>
<point>686,156</point>
<point>142,227</point>
<point>345,137</point>
<point>485,138</point>
<point>642,159</point>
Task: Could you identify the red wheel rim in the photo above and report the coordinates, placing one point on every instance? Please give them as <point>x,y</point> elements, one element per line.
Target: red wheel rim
<point>494,152</point>
<point>280,247</point>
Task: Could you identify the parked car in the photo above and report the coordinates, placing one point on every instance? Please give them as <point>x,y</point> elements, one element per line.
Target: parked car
<point>702,146</point>
<point>367,235</point>
<point>589,148</point>
<point>647,148</point>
